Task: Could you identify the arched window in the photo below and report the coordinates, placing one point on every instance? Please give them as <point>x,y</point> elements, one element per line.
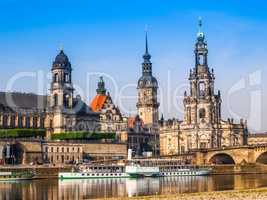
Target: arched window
<point>66,100</point>
<point>13,121</point>
<point>55,100</point>
<point>188,115</point>
<point>201,89</point>
<point>56,79</point>
<point>28,122</point>
<point>201,59</point>
<point>202,113</point>
<point>66,77</point>
<point>20,125</point>
<point>5,121</point>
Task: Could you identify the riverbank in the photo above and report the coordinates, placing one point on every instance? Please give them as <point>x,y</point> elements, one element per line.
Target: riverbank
<point>250,194</point>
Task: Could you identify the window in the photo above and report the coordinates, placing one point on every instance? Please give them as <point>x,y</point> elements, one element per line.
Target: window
<point>66,77</point>
<point>203,145</point>
<point>55,100</point>
<point>201,59</point>
<point>66,100</point>
<point>28,123</point>
<point>201,89</point>
<point>56,77</point>
<point>202,113</point>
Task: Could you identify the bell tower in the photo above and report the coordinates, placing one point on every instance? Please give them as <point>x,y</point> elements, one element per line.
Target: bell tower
<point>202,106</point>
<point>147,104</point>
<point>61,92</point>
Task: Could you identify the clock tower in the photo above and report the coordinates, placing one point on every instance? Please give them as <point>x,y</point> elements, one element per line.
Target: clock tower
<point>147,87</point>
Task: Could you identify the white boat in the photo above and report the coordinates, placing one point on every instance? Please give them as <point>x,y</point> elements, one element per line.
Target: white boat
<point>16,176</point>
<point>95,172</point>
<point>133,171</point>
<point>185,171</point>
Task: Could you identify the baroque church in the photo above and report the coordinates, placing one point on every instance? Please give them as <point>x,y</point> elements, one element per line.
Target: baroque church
<point>202,126</point>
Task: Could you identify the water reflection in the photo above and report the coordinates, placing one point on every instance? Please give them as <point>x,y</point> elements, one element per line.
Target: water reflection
<point>99,188</point>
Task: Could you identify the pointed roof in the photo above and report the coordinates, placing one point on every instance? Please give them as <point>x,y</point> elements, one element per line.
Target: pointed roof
<point>98,102</point>
<point>146,56</point>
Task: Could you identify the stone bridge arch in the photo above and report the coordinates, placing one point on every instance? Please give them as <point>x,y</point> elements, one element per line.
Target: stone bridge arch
<point>221,158</point>
<point>228,156</point>
<point>260,154</point>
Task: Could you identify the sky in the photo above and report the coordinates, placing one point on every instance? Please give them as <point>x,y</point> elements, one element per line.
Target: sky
<point>107,38</point>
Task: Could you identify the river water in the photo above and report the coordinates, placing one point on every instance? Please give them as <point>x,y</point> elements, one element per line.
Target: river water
<point>103,188</point>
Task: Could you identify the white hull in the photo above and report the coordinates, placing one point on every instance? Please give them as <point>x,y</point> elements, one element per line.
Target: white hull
<point>80,175</point>
<point>200,172</point>
<point>134,171</point>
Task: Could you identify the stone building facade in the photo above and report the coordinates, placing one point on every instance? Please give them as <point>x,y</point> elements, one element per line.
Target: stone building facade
<point>111,119</point>
<point>62,153</point>
<point>202,126</point>
<point>140,138</point>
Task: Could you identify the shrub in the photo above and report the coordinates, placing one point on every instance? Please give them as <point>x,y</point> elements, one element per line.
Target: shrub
<point>21,133</point>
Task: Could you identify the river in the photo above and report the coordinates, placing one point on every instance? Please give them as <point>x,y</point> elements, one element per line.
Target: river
<point>103,188</point>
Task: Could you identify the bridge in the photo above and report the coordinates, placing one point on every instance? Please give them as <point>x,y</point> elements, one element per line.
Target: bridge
<point>232,155</point>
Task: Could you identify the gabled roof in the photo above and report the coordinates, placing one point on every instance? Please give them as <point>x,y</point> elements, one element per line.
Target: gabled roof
<point>98,102</point>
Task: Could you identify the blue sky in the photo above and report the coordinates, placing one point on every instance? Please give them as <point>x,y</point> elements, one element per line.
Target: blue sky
<point>108,37</point>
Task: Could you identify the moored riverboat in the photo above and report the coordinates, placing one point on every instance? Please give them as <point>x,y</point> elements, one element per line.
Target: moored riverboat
<point>184,170</point>
<point>133,171</point>
<point>87,172</point>
<point>16,176</point>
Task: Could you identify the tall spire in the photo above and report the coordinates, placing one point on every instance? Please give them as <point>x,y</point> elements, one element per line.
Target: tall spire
<point>146,44</point>
<point>200,34</point>
<point>146,56</point>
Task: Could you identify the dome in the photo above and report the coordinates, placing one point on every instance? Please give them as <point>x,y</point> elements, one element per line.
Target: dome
<point>147,82</point>
<point>61,61</point>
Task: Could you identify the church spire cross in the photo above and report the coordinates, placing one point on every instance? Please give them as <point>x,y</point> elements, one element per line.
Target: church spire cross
<point>199,23</point>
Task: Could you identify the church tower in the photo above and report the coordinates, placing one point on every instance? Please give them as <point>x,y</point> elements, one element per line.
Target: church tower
<point>147,104</point>
<point>61,92</point>
<point>202,106</point>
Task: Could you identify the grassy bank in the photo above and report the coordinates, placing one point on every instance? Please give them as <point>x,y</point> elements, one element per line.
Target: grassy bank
<point>250,194</point>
